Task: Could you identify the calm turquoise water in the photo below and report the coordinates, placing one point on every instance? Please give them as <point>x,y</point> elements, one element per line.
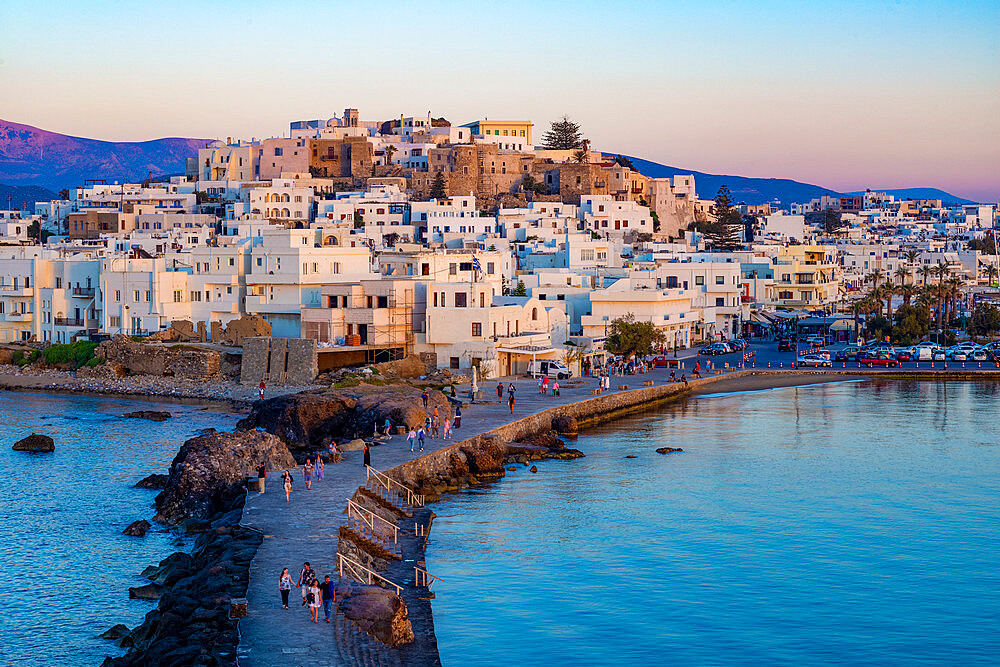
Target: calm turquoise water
<point>852,523</point>
<point>65,567</point>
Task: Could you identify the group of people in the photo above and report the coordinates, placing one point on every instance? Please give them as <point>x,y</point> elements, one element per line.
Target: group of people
<point>511,390</point>
<point>315,593</point>
<point>434,427</point>
<point>544,385</point>
<point>312,470</point>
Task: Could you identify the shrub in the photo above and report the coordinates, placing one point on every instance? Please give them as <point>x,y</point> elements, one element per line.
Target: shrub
<point>74,355</point>
<point>22,359</point>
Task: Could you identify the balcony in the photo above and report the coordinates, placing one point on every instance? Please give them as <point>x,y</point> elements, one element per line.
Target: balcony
<point>85,292</point>
<point>15,317</point>
<point>68,321</point>
<point>10,290</point>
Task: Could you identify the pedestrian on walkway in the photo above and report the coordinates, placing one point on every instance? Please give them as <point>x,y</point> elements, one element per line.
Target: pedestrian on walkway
<point>287,477</point>
<point>261,390</point>
<point>261,477</point>
<point>541,387</point>
<point>319,468</point>
<point>684,379</point>
<point>315,599</point>
<point>447,429</point>
<point>368,455</point>
<point>499,392</point>
<point>326,590</point>
<point>411,438</point>
<point>458,417</point>
<point>545,385</point>
<point>555,387</point>
<point>305,578</point>
<point>284,587</point>
<point>307,474</point>
<point>435,426</point>
<point>425,397</point>
<point>387,425</point>
<point>420,438</point>
<point>510,402</point>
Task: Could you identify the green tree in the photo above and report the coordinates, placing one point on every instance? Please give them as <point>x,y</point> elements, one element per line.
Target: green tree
<point>359,219</point>
<point>625,161</point>
<point>438,186</point>
<point>985,320</point>
<point>723,232</point>
<point>563,134</point>
<point>628,337</point>
<point>520,290</point>
<point>64,194</point>
<point>985,245</point>
<point>911,324</point>
<point>832,221</point>
<point>33,232</point>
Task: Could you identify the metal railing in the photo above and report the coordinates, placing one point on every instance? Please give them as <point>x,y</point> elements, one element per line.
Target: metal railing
<point>68,321</point>
<point>424,578</point>
<point>392,486</point>
<point>361,573</point>
<point>369,518</point>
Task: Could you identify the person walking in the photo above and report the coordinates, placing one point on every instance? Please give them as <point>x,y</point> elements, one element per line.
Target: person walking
<point>499,392</point>
<point>511,389</point>
<point>285,587</point>
<point>420,438</point>
<point>315,599</point>
<point>326,590</point>
<point>510,402</point>
<point>368,455</point>
<point>545,385</point>
<point>425,397</point>
<point>411,438</point>
<point>458,417</point>
<point>305,578</point>
<point>320,468</point>
<point>447,429</point>
<point>260,389</point>
<point>261,477</point>
<point>387,426</point>
<point>435,426</point>
<point>541,385</point>
<point>287,483</point>
<point>555,387</point>
<point>307,474</point>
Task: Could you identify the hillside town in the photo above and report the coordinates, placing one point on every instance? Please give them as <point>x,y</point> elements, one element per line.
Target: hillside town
<point>475,245</point>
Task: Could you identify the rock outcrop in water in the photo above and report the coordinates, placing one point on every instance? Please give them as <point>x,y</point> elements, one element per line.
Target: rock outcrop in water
<point>209,468</point>
<point>310,419</point>
<point>35,443</point>
<point>156,482</point>
<point>152,415</point>
<point>137,528</point>
<point>376,611</point>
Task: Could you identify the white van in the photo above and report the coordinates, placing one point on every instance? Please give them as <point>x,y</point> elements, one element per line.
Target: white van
<point>553,369</point>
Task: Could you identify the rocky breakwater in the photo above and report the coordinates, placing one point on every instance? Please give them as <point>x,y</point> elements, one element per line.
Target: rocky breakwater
<point>204,493</point>
<point>309,420</point>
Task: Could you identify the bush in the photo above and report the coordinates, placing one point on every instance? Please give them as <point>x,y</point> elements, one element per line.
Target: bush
<point>74,355</point>
<point>22,359</point>
<point>96,361</point>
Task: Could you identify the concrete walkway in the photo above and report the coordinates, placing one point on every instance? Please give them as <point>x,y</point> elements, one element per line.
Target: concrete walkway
<point>305,529</point>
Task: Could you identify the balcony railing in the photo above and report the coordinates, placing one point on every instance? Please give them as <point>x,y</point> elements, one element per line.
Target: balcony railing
<point>68,321</point>
<point>84,291</point>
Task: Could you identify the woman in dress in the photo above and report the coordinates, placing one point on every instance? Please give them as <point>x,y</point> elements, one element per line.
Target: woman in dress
<point>287,477</point>
<point>315,600</point>
<point>284,587</point>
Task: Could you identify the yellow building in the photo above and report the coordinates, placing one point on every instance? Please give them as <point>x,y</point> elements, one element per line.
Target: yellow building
<point>804,277</point>
<point>503,128</point>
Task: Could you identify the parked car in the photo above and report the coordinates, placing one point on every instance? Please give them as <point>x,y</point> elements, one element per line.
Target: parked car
<point>552,369</point>
<point>904,353</point>
<point>939,354</point>
<point>923,351</point>
<point>714,349</point>
<point>878,359</point>
<point>816,341</point>
<point>980,354</point>
<point>848,353</point>
<point>663,361</point>
<point>737,344</point>
<point>785,345</point>
<point>814,360</point>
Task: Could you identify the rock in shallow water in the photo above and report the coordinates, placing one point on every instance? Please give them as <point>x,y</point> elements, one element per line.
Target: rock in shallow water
<point>667,450</point>
<point>115,632</point>
<point>137,528</point>
<point>156,482</point>
<point>147,592</point>
<point>35,443</point>
<point>152,415</point>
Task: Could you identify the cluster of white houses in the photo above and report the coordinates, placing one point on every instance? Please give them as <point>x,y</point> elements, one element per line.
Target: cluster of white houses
<point>263,228</point>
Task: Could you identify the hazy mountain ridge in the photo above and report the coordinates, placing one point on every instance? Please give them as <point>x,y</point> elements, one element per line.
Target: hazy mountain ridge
<point>32,156</point>
<point>24,196</point>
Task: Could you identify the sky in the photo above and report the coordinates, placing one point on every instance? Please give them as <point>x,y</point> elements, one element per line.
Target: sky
<point>846,95</point>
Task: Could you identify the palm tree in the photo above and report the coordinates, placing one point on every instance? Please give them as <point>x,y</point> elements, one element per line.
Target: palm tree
<point>888,291</point>
<point>924,272</point>
<point>875,277</point>
<point>908,291</point>
<point>942,271</point>
<point>389,152</point>
<point>902,274</point>
<point>991,273</point>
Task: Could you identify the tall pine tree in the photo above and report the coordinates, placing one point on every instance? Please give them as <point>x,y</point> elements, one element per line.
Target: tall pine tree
<point>724,232</point>
<point>438,186</point>
<point>563,134</point>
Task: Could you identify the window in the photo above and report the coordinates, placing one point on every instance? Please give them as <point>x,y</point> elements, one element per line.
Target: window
<point>489,267</point>
<point>671,281</point>
<point>435,299</point>
<point>454,362</point>
<point>196,295</point>
<point>461,299</point>
<point>785,295</point>
<point>178,296</point>
<point>534,313</point>
<point>587,255</point>
<point>477,329</point>
<point>465,266</point>
<point>720,301</point>
<point>720,280</point>
<point>699,280</point>
<point>453,269</point>
<point>135,295</point>
<point>118,295</point>
<point>260,261</point>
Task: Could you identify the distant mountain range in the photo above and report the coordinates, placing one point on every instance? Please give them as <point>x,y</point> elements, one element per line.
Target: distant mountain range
<point>31,156</point>
<point>749,190</point>
<point>24,196</point>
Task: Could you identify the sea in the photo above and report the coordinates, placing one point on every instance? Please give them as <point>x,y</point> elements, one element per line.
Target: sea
<point>845,523</point>
<point>65,566</point>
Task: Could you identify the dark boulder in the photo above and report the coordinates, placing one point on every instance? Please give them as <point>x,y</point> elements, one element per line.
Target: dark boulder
<point>155,482</point>
<point>147,592</point>
<point>137,528</point>
<point>668,450</point>
<point>115,632</point>
<point>152,415</point>
<point>565,425</point>
<point>35,443</point>
<point>376,611</point>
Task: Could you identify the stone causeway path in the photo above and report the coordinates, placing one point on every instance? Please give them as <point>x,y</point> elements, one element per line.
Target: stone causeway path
<point>306,528</point>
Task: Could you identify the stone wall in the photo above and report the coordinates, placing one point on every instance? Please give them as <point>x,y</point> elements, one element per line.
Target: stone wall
<point>247,326</point>
<point>279,361</point>
<point>181,361</point>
